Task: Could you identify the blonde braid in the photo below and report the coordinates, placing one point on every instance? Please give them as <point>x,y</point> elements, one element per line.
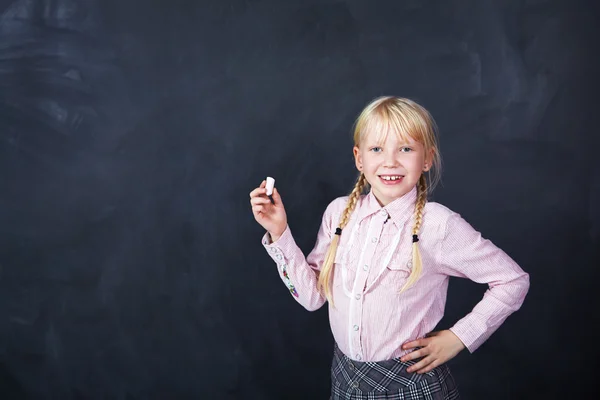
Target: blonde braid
<point>324,283</point>
<point>417,265</point>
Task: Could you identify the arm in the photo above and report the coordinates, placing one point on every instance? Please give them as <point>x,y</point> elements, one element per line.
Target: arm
<point>300,274</point>
<point>464,253</point>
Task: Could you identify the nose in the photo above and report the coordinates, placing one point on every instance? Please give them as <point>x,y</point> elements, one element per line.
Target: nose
<point>391,159</point>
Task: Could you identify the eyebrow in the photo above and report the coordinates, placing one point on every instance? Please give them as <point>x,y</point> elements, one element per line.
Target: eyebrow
<point>403,144</point>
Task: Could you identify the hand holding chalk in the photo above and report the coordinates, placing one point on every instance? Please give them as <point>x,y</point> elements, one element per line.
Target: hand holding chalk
<point>268,209</point>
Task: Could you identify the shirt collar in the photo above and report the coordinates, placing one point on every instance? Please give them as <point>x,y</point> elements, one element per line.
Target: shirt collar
<point>399,210</point>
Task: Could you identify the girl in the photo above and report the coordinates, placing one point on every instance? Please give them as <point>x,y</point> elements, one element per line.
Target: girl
<point>383,260</point>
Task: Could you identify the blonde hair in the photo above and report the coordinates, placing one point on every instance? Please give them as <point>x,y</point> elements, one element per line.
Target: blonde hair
<point>405,118</point>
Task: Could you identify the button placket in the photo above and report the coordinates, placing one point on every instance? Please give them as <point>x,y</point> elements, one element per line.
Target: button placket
<point>358,300</point>
<point>361,279</point>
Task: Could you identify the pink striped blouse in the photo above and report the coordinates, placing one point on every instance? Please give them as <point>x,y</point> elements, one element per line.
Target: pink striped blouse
<point>370,320</point>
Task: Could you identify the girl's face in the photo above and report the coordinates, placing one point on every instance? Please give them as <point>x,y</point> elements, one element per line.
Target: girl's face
<point>393,167</point>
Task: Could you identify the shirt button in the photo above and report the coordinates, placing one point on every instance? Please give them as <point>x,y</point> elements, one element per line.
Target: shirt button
<point>278,256</point>
<point>355,327</point>
<point>409,263</point>
<point>365,267</point>
<point>358,357</point>
<point>374,240</point>
<point>357,296</point>
<point>355,384</point>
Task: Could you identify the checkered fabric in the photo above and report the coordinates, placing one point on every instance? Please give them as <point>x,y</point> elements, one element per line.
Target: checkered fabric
<point>353,380</point>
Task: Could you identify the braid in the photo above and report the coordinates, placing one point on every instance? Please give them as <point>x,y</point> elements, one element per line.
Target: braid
<point>352,200</point>
<point>421,199</point>
<point>417,265</point>
<point>324,283</point>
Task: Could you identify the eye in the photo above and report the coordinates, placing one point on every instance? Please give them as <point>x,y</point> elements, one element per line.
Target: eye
<point>376,149</point>
<point>406,149</point>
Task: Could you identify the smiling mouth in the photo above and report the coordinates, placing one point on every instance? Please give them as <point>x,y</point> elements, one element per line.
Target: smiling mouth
<point>391,178</point>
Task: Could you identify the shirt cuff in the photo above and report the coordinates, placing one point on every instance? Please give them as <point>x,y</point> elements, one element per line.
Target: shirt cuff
<point>282,251</point>
<point>470,335</point>
<point>281,247</point>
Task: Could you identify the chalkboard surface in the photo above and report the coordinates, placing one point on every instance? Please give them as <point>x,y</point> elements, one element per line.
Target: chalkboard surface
<point>131,133</point>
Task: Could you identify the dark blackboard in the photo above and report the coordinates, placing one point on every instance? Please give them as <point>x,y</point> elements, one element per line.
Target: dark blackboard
<point>132,132</point>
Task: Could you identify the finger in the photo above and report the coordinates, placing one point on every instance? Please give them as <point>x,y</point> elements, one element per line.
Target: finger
<point>415,343</point>
<point>420,365</point>
<point>431,334</point>
<point>258,209</point>
<point>430,367</point>
<point>258,192</point>
<point>413,355</point>
<point>259,200</point>
<point>263,183</point>
<point>276,197</point>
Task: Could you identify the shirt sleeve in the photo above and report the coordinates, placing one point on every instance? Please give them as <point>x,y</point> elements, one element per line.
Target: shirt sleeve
<point>464,253</point>
<point>299,273</point>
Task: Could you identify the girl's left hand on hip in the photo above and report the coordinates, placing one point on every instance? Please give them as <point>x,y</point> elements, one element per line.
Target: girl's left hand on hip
<point>436,349</point>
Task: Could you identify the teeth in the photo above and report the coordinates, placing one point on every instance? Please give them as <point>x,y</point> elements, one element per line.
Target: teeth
<point>391,178</point>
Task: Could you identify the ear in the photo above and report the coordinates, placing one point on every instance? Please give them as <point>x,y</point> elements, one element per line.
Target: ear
<point>357,158</point>
<point>428,160</point>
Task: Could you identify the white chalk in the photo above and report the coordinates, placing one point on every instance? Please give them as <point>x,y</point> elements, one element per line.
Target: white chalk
<point>270,185</point>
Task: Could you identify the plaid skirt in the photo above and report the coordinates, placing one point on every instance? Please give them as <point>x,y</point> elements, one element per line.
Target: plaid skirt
<point>353,380</point>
